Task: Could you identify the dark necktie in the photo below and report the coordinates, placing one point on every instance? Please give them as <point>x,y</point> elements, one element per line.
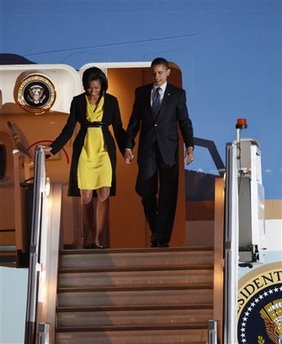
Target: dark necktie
<point>156,101</point>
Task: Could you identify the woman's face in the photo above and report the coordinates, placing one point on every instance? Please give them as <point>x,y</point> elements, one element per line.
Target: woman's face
<point>94,88</point>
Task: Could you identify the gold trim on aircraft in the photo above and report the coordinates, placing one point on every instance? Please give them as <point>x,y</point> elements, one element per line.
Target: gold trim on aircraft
<point>36,93</point>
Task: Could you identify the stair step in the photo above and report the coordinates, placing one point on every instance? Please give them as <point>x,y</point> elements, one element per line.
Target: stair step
<point>8,248</point>
<point>138,308</point>
<point>8,264</point>
<point>127,317</point>
<point>130,259</point>
<point>7,237</point>
<point>146,336</point>
<point>173,277</point>
<point>8,255</point>
<point>134,297</point>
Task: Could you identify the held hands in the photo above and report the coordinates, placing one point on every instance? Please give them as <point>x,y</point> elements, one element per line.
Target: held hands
<point>189,155</point>
<point>128,156</point>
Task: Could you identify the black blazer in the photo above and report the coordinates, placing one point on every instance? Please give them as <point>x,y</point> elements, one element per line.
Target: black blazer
<point>164,128</point>
<point>111,116</point>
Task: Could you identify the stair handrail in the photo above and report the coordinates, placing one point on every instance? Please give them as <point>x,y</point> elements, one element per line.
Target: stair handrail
<point>39,191</point>
<point>44,247</point>
<point>231,246</point>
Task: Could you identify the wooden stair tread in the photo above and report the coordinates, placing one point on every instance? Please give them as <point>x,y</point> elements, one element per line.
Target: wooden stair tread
<point>138,295</point>
<point>138,268</point>
<point>164,336</point>
<point>134,289</point>
<point>134,250</point>
<point>198,325</point>
<point>139,307</point>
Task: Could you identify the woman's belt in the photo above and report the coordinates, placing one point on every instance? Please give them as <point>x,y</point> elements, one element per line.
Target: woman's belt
<point>96,124</point>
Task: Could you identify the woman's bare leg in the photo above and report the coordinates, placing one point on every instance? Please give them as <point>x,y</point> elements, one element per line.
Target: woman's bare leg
<point>87,206</point>
<point>102,212</point>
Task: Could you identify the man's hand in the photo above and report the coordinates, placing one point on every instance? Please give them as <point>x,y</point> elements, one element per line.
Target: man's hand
<point>189,155</point>
<point>128,155</point>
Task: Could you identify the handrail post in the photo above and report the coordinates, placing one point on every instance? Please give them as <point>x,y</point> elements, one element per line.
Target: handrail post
<point>212,332</point>
<point>43,330</point>
<point>34,263</point>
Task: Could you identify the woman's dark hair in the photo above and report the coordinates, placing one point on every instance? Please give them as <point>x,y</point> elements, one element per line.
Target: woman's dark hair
<point>94,73</point>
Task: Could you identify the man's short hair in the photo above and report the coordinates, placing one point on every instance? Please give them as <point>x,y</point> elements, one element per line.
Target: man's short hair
<point>160,60</point>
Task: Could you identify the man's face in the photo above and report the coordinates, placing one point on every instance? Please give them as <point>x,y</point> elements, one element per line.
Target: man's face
<point>160,74</point>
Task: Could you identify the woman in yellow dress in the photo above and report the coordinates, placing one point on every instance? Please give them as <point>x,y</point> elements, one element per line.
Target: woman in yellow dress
<point>93,165</point>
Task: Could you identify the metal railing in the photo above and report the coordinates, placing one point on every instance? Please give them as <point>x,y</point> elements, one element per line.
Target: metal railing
<point>231,246</point>
<point>39,193</point>
<point>44,250</point>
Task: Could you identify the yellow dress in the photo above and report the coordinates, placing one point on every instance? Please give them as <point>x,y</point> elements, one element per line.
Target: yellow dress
<point>94,165</point>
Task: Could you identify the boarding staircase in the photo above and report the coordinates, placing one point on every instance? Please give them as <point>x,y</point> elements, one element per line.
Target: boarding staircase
<point>120,296</point>
<point>135,296</point>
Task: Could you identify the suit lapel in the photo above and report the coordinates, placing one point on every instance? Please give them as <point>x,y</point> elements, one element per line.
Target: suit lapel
<point>166,96</point>
<point>164,101</point>
<point>147,99</point>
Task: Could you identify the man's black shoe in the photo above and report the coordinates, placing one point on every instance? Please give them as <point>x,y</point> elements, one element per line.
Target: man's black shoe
<point>154,244</point>
<point>163,244</point>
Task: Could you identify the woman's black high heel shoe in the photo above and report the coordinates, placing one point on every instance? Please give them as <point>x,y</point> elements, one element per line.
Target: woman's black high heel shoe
<point>89,246</point>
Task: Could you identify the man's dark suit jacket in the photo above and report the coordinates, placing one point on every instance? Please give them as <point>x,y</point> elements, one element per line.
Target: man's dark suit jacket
<point>162,128</point>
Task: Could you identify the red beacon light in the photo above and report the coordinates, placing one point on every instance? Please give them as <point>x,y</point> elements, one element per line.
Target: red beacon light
<point>241,123</point>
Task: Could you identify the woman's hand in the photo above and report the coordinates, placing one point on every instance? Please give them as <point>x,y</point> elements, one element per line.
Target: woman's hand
<point>47,148</point>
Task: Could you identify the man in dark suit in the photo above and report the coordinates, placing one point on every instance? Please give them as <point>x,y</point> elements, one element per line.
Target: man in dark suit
<point>158,110</point>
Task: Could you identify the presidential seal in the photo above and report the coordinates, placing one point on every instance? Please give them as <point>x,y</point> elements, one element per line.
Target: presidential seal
<point>36,93</point>
<point>260,306</point>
